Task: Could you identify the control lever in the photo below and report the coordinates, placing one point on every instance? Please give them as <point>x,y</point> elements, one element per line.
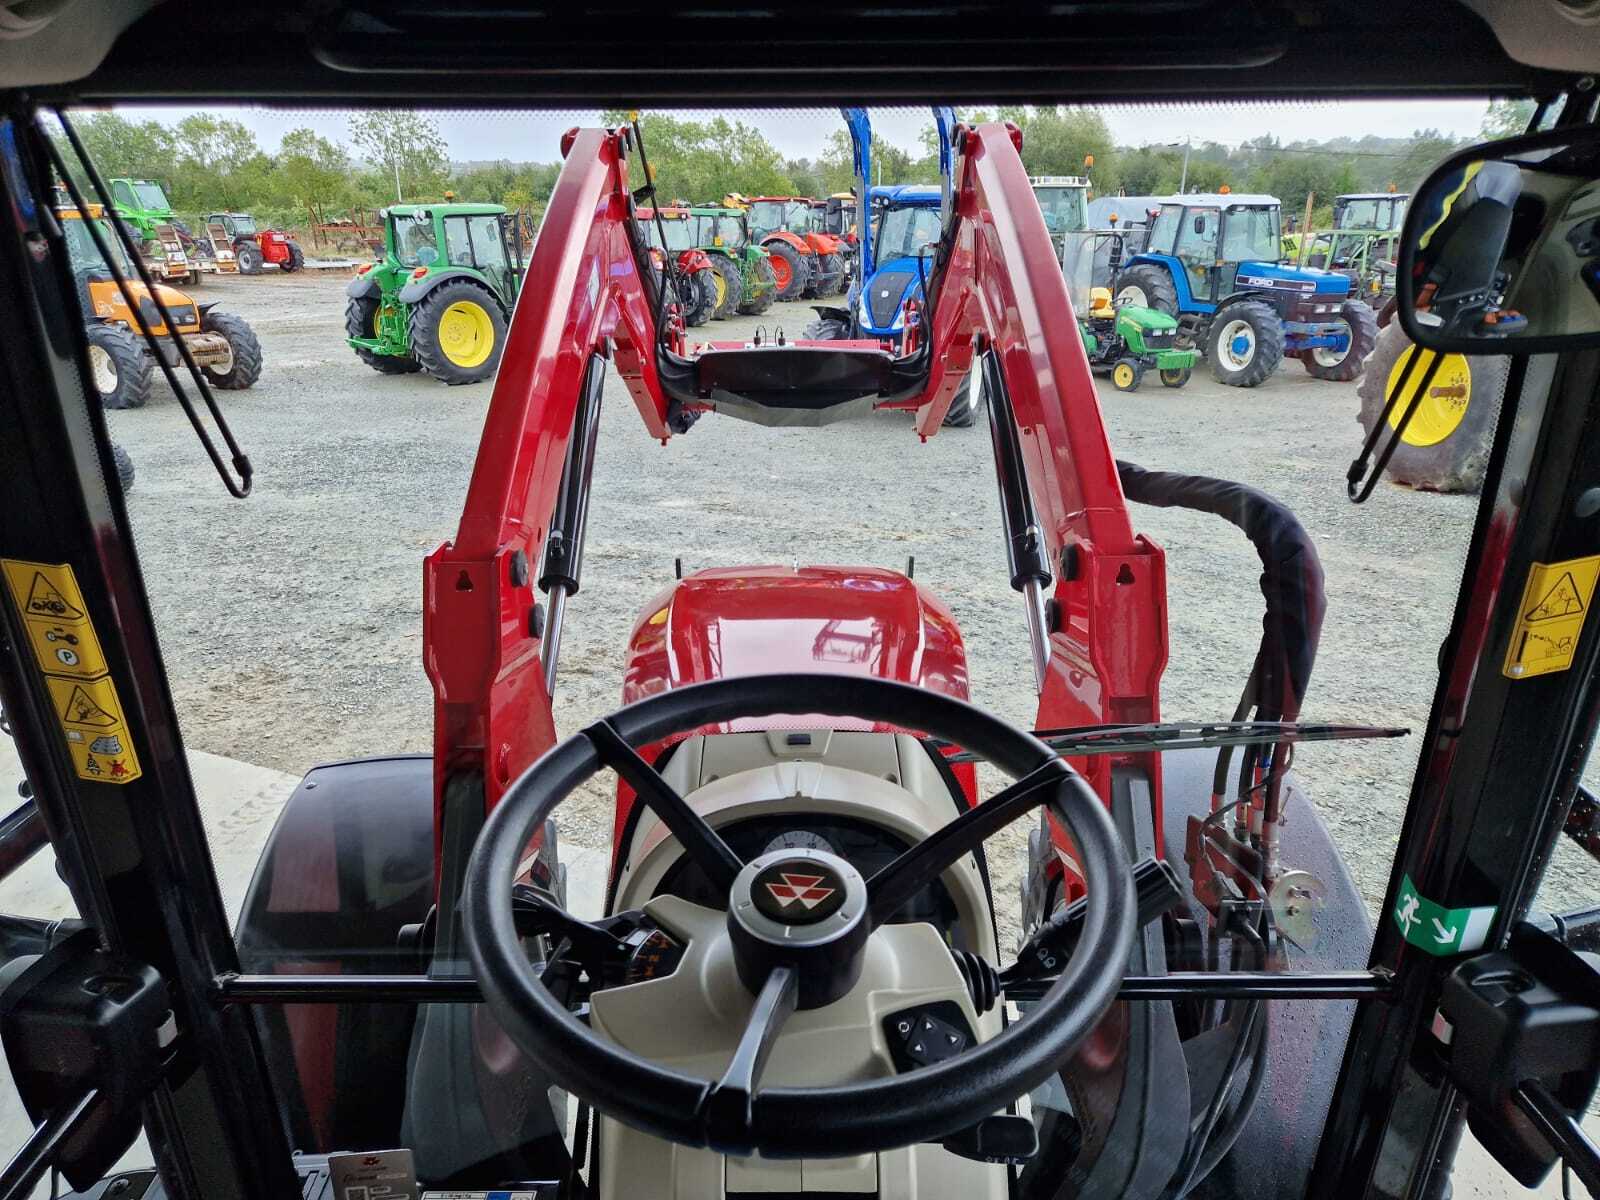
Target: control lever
<point>1002,1138</point>
<point>1156,890</point>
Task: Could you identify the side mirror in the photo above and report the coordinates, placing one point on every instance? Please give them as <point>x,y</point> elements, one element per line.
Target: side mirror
<point>1501,248</point>
<point>1199,224</point>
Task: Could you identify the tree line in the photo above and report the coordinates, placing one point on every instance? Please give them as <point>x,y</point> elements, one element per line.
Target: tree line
<point>209,163</point>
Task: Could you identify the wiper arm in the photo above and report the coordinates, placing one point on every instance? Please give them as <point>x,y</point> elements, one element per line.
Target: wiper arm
<point>1084,740</point>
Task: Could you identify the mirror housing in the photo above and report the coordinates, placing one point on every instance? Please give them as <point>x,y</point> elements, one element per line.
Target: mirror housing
<point>1500,252</point>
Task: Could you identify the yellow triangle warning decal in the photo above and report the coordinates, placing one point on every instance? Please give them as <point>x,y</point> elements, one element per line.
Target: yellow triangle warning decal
<point>45,600</point>
<point>1562,600</point>
<point>82,710</point>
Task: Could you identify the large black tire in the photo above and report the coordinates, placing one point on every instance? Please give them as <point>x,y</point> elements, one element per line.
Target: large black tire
<point>360,321</point>
<point>248,256</point>
<point>124,465</point>
<point>754,305</point>
<point>467,361</point>
<point>826,272</point>
<point>826,329</point>
<point>787,258</point>
<point>732,282</point>
<point>1458,430</point>
<point>1147,286</point>
<point>119,368</point>
<point>1363,323</point>
<point>1257,326</point>
<point>966,404</point>
<point>246,366</point>
<point>296,259</point>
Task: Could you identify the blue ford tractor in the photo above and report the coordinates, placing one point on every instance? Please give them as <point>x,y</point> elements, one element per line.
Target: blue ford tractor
<point>1214,262</point>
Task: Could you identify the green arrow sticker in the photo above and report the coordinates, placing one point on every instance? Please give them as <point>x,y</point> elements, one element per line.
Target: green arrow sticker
<point>1437,929</point>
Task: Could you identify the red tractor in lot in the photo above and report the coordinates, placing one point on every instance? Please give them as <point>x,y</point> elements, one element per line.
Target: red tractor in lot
<point>807,260</point>
<point>253,248</point>
<point>672,234</point>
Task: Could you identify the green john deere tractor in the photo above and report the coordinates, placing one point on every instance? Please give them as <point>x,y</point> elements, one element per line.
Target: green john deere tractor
<point>441,297</point>
<point>745,283</point>
<point>1126,340</point>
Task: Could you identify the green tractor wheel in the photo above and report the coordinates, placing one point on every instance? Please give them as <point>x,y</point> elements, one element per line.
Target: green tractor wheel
<point>361,321</point>
<point>1176,377</point>
<point>761,290</point>
<point>728,284</point>
<point>458,332</point>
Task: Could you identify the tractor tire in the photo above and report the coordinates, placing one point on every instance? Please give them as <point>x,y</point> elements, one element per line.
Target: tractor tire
<point>729,286</point>
<point>1446,445</point>
<point>1148,287</point>
<point>1127,374</point>
<point>124,465</point>
<point>755,305</point>
<point>791,272</point>
<point>701,301</point>
<point>1244,344</point>
<point>457,332</point>
<point>1176,378</point>
<point>827,271</point>
<point>826,329</point>
<point>966,404</point>
<point>295,261</point>
<point>248,256</point>
<point>119,368</point>
<point>1330,364</point>
<point>361,321</point>
<point>246,366</point>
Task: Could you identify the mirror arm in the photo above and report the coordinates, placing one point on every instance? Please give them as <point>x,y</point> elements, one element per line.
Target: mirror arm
<point>1354,487</point>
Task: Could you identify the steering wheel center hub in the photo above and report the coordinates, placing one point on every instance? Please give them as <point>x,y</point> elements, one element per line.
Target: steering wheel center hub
<point>805,909</point>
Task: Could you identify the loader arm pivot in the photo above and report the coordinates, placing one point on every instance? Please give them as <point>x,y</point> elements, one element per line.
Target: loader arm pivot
<point>995,286</point>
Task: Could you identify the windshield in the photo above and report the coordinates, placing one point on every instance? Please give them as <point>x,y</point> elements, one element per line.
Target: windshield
<point>1064,208</point>
<point>771,492</point>
<point>152,197</point>
<point>243,224</point>
<point>415,244</point>
<point>1362,214</point>
<point>85,256</point>
<point>1251,235</point>
<point>906,233</point>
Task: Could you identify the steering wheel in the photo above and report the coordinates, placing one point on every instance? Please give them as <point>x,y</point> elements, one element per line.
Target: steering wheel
<point>812,956</point>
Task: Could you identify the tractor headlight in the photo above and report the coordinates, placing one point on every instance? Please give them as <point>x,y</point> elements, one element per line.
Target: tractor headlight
<point>899,319</point>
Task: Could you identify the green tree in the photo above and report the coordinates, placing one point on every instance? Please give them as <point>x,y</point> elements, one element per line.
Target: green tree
<point>1057,141</point>
<point>406,149</point>
<point>119,147</point>
<point>703,161</point>
<point>1506,118</point>
<point>312,171</point>
<point>218,164</point>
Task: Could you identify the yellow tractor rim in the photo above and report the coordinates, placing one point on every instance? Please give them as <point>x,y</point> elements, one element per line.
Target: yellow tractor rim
<point>466,335</point>
<point>719,286</point>
<point>1122,375</point>
<point>1442,409</point>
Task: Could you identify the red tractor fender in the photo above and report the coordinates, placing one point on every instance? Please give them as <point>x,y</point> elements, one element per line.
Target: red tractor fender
<point>800,244</point>
<point>823,243</point>
<point>694,261</point>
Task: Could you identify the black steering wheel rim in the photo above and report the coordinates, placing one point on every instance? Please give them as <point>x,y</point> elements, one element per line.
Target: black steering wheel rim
<point>784,1122</point>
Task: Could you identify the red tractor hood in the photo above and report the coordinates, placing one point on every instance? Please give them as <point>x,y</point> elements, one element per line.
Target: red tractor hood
<point>755,620</point>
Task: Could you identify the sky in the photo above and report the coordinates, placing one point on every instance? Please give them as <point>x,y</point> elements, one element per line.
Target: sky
<point>803,133</point>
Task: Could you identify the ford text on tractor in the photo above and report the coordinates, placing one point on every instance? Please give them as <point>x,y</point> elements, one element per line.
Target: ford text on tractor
<point>120,366</point>
<point>253,247</point>
<point>440,297</point>
<point>744,283</point>
<point>806,261</point>
<point>1213,261</point>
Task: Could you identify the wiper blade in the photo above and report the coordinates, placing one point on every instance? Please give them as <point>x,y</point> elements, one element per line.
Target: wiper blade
<point>1084,740</point>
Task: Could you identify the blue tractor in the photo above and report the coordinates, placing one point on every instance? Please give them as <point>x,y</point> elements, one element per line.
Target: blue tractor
<point>1214,262</point>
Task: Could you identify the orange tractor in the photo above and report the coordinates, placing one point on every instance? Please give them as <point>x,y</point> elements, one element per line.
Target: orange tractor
<point>806,260</point>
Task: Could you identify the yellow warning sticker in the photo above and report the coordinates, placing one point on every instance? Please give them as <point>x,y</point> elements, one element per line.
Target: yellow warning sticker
<point>1554,604</point>
<point>68,652</point>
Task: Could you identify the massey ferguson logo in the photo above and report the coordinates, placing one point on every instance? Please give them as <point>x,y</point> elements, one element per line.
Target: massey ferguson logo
<point>806,890</point>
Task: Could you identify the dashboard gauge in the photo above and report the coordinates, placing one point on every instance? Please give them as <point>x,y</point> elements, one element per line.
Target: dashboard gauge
<point>800,839</point>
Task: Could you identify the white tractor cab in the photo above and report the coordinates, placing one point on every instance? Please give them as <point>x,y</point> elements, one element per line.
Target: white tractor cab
<point>1064,201</point>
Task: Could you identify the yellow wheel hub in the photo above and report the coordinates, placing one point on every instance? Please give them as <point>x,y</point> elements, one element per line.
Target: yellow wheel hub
<point>466,335</point>
<point>1122,375</point>
<point>1445,405</point>
<point>719,285</point>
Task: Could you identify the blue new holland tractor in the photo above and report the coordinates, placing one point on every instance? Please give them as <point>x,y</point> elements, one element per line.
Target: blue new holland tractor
<point>1214,262</point>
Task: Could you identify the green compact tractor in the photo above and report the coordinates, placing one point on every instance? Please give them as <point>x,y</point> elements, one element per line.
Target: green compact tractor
<point>441,296</point>
<point>1127,340</point>
<point>744,280</point>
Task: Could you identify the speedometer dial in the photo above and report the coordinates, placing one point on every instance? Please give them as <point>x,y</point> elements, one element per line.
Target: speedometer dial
<point>799,839</point>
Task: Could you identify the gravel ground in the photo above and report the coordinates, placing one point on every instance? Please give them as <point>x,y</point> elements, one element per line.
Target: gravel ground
<point>291,623</point>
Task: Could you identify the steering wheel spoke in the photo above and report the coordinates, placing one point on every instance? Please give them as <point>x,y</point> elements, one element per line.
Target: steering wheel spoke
<point>908,874</point>
<point>702,842</point>
<point>728,1112</point>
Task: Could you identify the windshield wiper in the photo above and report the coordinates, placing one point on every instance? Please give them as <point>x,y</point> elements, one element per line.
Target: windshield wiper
<point>1085,740</point>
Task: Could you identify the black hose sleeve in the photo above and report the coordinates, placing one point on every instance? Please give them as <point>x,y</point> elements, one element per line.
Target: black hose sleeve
<point>1291,575</point>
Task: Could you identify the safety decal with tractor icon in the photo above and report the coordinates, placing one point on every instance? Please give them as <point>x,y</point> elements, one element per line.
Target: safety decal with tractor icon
<point>1213,261</point>
<point>439,299</point>
<point>221,344</point>
<point>253,247</point>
